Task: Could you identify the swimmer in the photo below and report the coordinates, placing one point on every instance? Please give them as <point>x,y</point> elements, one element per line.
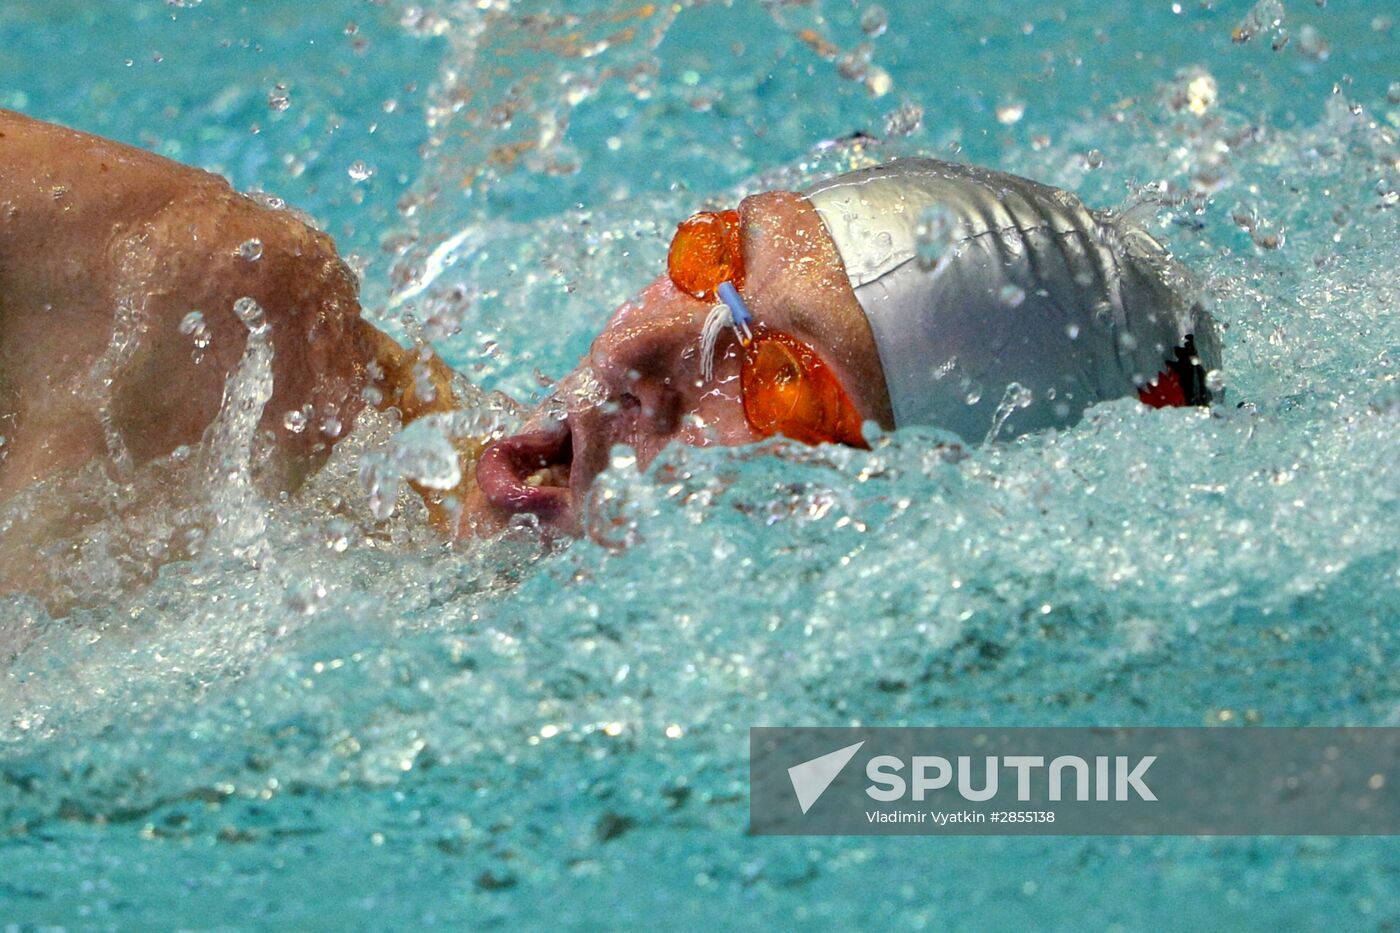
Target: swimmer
<point>915,293</point>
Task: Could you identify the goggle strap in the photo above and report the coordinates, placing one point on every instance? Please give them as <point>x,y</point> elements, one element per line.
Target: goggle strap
<point>732,312</point>
<point>740,312</point>
<point>718,319</point>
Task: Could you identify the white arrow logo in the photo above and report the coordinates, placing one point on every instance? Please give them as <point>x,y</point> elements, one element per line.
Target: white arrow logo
<point>811,778</point>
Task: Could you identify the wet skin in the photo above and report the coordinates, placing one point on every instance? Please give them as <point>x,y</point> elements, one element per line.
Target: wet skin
<point>648,362</point>
<point>104,249</point>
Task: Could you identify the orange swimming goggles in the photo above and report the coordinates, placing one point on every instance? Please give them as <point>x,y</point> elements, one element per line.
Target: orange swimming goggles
<point>786,387</point>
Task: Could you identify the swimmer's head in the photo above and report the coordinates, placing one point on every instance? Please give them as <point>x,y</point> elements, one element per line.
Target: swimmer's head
<point>663,381</point>
<point>820,317</point>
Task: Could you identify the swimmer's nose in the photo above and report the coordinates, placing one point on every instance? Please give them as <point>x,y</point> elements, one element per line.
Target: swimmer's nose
<point>649,355</point>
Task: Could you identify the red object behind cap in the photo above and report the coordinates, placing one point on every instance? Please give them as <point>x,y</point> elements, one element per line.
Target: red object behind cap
<point>1165,393</point>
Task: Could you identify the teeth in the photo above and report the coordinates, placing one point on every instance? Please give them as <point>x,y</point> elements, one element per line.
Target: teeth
<point>556,475</point>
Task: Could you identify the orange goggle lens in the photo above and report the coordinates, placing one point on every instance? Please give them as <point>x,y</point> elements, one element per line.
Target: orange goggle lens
<point>706,252</point>
<point>788,390</point>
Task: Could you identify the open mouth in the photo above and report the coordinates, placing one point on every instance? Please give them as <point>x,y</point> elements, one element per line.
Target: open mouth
<point>529,472</point>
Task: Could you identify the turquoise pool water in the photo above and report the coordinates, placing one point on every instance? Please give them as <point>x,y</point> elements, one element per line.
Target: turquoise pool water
<point>328,721</point>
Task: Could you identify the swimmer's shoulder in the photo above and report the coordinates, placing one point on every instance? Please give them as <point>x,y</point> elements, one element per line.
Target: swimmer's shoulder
<point>26,142</point>
<point>64,192</point>
<point>50,170</point>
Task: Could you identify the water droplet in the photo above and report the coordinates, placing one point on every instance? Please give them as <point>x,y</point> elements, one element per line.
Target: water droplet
<point>250,313</point>
<point>934,235</point>
<point>269,201</point>
<point>878,81</point>
<point>295,421</point>
<point>360,172</point>
<point>1010,112</point>
<point>854,65</point>
<point>1012,295</point>
<point>338,535</point>
<point>381,482</point>
<point>1194,90</point>
<point>905,120</point>
<point>250,250</point>
<point>1016,396</point>
<point>306,597</point>
<point>1093,158</point>
<point>1265,16</point>
<point>1215,380</point>
<point>278,99</point>
<point>875,21</point>
<point>1072,331</point>
<point>193,326</point>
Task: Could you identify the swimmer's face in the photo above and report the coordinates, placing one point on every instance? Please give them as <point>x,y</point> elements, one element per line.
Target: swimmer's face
<point>648,366</point>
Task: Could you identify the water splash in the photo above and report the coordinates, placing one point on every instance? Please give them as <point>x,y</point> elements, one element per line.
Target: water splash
<point>239,521</point>
<point>128,327</point>
<point>1181,566</point>
<point>1265,16</point>
<point>1016,397</point>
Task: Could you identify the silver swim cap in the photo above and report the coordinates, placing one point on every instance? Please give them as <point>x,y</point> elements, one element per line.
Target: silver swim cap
<point>1034,309</point>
